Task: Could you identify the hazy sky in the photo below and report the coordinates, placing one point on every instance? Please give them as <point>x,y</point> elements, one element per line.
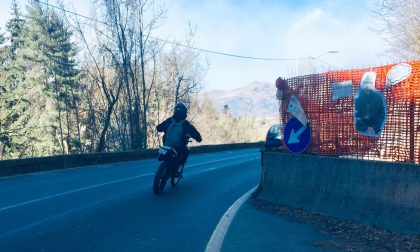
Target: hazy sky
<point>267,29</point>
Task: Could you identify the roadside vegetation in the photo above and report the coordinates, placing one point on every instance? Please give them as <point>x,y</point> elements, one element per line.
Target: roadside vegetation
<point>75,84</point>
<point>71,83</point>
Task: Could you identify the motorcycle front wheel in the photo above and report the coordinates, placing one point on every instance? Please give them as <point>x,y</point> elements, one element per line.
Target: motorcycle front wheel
<point>159,181</point>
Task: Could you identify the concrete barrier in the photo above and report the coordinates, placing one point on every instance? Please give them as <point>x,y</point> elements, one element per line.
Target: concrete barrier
<point>30,165</point>
<point>382,194</point>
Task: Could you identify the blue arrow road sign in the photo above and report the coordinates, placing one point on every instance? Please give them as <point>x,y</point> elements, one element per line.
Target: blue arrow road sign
<point>296,135</point>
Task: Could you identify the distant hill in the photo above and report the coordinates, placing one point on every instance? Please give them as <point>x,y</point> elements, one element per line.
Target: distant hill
<point>256,98</point>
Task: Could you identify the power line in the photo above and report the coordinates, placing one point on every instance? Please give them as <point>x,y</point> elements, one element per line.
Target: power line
<point>178,44</point>
<point>229,54</point>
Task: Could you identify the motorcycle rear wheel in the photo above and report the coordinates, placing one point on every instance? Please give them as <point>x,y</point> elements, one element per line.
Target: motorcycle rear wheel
<point>160,179</point>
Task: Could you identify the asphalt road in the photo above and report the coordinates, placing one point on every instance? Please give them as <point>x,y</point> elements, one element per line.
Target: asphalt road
<point>112,207</point>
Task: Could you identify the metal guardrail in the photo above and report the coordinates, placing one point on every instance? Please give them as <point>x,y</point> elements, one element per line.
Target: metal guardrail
<point>30,165</point>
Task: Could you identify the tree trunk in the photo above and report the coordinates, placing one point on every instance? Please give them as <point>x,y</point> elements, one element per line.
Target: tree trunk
<point>144,93</point>
<point>101,143</point>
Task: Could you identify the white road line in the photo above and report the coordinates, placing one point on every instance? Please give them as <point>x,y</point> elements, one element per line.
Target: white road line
<point>225,159</point>
<point>110,165</point>
<point>224,165</point>
<point>104,184</point>
<point>72,191</point>
<point>216,241</point>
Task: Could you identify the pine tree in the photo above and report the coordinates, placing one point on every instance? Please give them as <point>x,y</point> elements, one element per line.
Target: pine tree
<point>2,38</point>
<point>3,127</point>
<point>49,87</point>
<point>60,53</point>
<point>12,104</point>
<point>14,27</point>
<point>34,123</point>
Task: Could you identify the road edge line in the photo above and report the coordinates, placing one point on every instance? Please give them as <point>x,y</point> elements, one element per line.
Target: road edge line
<point>216,240</point>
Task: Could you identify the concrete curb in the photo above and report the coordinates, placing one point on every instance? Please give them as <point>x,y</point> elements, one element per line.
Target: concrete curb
<point>30,165</point>
<point>377,193</point>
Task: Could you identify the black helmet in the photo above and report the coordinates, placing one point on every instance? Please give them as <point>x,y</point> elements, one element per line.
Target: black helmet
<point>181,107</point>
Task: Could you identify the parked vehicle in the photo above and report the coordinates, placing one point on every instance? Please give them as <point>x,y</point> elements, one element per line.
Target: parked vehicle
<point>273,139</point>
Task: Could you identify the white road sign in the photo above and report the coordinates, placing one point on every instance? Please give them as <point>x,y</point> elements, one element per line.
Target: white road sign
<point>397,74</point>
<point>295,108</point>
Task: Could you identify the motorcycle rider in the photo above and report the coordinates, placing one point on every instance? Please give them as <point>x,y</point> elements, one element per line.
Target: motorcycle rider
<point>177,132</point>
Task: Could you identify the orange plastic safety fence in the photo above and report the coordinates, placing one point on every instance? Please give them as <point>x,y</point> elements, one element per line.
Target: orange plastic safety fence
<point>332,121</point>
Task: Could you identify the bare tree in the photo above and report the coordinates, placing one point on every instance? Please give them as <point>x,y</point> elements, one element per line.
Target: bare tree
<point>107,79</point>
<point>123,51</point>
<point>219,127</point>
<point>131,23</point>
<point>126,59</point>
<point>400,26</point>
<point>183,71</point>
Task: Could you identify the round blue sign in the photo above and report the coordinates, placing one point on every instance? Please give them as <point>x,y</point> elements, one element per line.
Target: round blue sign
<point>296,135</point>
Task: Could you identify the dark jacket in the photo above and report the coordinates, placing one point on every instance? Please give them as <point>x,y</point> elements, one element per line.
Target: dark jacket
<point>188,130</point>
<point>369,110</point>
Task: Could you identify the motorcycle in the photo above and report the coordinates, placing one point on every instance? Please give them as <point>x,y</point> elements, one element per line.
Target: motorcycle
<point>168,169</point>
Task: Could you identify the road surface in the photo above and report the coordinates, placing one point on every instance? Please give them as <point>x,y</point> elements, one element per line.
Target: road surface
<point>112,208</point>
